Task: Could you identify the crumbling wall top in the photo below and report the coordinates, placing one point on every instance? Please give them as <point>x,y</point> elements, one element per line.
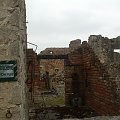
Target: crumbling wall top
<point>104,47</point>
<point>74,44</point>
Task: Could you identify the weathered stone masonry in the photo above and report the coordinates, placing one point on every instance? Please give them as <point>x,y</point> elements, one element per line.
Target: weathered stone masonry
<point>50,60</point>
<point>33,77</point>
<point>105,51</point>
<point>13,47</point>
<point>52,73</point>
<point>91,74</point>
<point>92,70</point>
<point>95,85</point>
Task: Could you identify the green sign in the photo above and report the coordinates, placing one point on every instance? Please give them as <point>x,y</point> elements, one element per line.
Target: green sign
<point>8,71</point>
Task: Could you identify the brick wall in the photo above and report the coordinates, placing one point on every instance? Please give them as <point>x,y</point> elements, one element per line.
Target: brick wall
<point>95,87</point>
<point>33,73</point>
<point>104,50</point>
<point>74,78</point>
<point>100,92</point>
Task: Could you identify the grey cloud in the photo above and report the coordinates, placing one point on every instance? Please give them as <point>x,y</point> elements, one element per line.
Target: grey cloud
<point>55,23</point>
<point>70,23</point>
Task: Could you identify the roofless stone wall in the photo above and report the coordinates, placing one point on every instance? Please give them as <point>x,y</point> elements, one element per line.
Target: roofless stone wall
<point>88,82</point>
<point>105,51</point>
<point>13,48</point>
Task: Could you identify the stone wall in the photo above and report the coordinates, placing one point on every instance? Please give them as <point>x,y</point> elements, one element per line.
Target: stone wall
<point>74,44</point>
<point>13,47</point>
<point>74,79</point>
<point>100,88</point>
<point>91,75</point>
<point>105,48</point>
<point>33,77</point>
<point>94,87</point>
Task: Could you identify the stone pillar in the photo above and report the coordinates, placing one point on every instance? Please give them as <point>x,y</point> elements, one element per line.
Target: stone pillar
<point>13,47</point>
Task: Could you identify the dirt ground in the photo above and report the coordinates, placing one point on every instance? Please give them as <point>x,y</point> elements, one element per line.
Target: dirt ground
<point>59,113</point>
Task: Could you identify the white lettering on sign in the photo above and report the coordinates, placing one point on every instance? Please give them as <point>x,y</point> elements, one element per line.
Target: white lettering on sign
<point>6,70</point>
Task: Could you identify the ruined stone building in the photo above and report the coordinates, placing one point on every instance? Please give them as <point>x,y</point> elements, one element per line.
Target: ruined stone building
<point>13,102</point>
<point>52,73</point>
<point>84,74</point>
<point>50,83</point>
<point>89,72</point>
<point>92,76</point>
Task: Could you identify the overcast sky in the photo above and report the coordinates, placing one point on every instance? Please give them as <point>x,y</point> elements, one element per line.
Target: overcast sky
<point>54,23</point>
